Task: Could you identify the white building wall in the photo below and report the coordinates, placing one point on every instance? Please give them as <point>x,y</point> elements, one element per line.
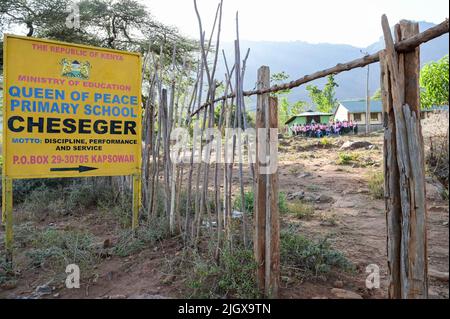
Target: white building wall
<point>341,113</point>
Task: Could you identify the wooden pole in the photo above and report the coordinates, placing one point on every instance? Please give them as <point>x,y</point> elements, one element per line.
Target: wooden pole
<point>261,191</point>
<point>272,264</point>
<point>267,227</point>
<point>403,71</point>
<point>368,101</point>
<point>7,216</point>
<point>391,184</point>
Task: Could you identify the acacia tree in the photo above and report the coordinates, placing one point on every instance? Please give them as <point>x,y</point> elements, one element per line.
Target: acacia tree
<point>325,99</point>
<point>434,82</point>
<point>117,24</point>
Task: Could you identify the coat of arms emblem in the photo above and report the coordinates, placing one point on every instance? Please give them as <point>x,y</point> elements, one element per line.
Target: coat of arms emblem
<point>75,69</point>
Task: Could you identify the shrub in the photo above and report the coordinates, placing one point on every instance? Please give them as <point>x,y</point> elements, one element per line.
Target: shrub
<point>345,158</point>
<point>300,210</point>
<point>55,249</point>
<point>232,277</point>
<point>376,185</point>
<point>249,202</point>
<point>130,242</point>
<point>312,258</point>
<point>325,142</point>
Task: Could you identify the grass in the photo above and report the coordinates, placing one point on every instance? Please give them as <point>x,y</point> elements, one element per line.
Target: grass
<point>300,210</point>
<point>55,249</point>
<point>325,142</point>
<point>75,199</point>
<point>249,199</point>
<point>346,158</point>
<point>233,276</point>
<point>309,258</point>
<point>375,183</point>
<point>130,243</point>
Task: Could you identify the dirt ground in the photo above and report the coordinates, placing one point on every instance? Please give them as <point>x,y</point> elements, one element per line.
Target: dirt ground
<point>346,212</point>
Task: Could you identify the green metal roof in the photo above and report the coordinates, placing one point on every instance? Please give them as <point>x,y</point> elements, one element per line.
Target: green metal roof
<point>359,106</point>
<point>306,114</point>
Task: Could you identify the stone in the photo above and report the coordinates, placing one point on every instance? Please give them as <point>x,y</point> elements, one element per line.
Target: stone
<point>304,175</point>
<point>43,290</point>
<point>434,191</point>
<point>298,195</point>
<point>324,199</point>
<point>118,297</point>
<point>345,294</point>
<point>349,145</point>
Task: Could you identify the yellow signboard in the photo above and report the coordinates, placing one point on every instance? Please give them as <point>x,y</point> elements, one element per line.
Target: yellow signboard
<point>70,110</point>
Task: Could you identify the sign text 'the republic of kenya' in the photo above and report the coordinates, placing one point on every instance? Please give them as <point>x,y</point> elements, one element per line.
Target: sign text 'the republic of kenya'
<point>70,110</point>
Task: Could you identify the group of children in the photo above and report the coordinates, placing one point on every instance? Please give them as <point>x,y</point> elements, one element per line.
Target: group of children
<point>320,130</point>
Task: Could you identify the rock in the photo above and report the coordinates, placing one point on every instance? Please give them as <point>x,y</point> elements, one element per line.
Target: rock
<point>345,294</point>
<point>438,275</point>
<point>56,295</point>
<point>169,279</point>
<point>445,224</point>
<point>338,284</point>
<point>319,297</point>
<point>349,145</point>
<point>43,290</point>
<point>293,196</point>
<point>434,191</point>
<point>324,199</point>
<point>118,297</point>
<point>342,203</point>
<point>309,199</point>
<point>304,175</point>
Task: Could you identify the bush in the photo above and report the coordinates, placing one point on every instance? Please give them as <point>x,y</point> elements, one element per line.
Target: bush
<point>232,277</point>
<point>55,249</point>
<point>347,158</point>
<point>312,258</point>
<point>300,210</point>
<point>376,185</point>
<point>325,142</point>
<point>130,243</point>
<point>249,198</point>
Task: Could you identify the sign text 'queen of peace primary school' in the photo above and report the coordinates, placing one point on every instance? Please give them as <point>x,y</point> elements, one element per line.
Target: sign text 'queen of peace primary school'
<point>70,110</point>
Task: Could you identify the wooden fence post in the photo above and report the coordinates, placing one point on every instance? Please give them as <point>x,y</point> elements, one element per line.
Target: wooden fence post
<point>267,227</point>
<point>407,239</point>
<point>261,191</point>
<point>272,214</point>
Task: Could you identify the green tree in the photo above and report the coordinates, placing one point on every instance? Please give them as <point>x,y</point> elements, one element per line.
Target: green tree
<point>434,82</point>
<point>285,109</point>
<point>325,100</point>
<point>118,24</point>
<point>377,95</point>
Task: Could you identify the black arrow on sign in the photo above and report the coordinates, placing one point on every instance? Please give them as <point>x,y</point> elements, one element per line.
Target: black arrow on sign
<point>80,169</point>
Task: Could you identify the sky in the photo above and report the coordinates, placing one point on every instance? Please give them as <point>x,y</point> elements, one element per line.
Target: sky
<point>353,22</point>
